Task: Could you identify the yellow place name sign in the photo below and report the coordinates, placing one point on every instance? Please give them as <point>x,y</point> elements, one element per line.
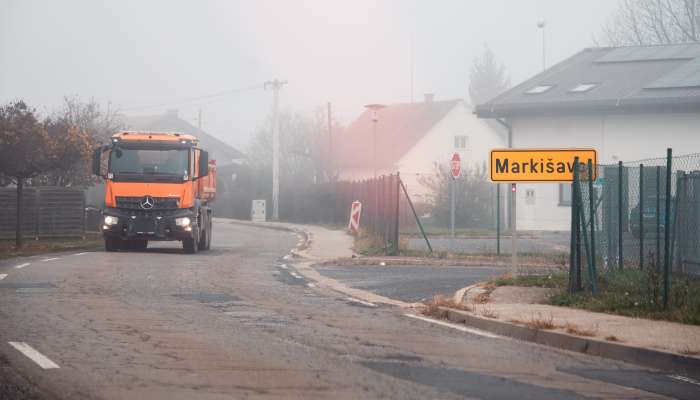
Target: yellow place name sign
<point>539,165</point>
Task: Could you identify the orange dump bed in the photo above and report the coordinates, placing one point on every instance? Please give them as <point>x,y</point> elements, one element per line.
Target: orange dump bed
<point>207,185</point>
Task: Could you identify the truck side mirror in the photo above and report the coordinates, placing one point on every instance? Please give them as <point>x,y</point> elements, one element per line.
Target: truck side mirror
<point>203,164</point>
<point>96,161</point>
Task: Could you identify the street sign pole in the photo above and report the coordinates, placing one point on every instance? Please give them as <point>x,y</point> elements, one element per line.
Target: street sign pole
<point>513,233</point>
<point>455,171</point>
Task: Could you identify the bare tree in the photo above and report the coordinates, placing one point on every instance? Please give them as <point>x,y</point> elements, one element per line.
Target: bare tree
<point>487,78</point>
<point>648,22</point>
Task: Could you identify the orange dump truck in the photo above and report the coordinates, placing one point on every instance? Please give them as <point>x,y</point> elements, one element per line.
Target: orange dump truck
<point>158,186</point>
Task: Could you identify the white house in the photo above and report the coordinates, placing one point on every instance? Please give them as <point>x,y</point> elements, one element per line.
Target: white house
<point>411,138</point>
<point>629,103</point>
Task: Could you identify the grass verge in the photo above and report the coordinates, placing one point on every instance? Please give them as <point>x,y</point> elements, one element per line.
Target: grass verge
<point>42,246</point>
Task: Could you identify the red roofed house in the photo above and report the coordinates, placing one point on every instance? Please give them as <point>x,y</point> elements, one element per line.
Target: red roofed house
<point>412,137</point>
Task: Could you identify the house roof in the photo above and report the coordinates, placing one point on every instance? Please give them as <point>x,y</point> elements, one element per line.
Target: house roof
<point>661,78</point>
<point>399,128</point>
<point>170,122</point>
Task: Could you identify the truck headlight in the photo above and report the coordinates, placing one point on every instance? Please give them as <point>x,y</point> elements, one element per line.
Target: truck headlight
<point>110,220</point>
<point>183,221</point>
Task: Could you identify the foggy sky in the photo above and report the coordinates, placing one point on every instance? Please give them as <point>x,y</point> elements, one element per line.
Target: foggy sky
<point>353,52</point>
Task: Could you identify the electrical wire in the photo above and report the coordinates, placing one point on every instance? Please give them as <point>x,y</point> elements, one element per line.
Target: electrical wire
<point>195,99</point>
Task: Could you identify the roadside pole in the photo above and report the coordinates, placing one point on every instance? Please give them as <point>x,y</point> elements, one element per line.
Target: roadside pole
<point>455,172</point>
<point>513,232</point>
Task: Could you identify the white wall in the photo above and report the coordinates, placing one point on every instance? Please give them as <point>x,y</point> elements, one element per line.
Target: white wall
<point>437,146</point>
<point>616,137</point>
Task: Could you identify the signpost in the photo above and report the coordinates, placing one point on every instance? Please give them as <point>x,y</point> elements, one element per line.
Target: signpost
<point>534,165</point>
<point>455,171</point>
<point>355,214</point>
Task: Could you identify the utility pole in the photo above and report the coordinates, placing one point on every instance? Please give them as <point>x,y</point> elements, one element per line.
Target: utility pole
<point>199,121</point>
<point>331,172</point>
<point>276,85</point>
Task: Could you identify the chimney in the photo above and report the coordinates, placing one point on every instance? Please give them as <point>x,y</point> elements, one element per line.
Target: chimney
<point>429,97</point>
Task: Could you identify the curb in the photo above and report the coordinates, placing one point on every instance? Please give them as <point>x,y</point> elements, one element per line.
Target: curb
<point>636,355</point>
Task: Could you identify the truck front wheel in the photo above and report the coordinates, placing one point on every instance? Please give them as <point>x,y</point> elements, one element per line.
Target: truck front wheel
<point>190,245</point>
<point>113,244</point>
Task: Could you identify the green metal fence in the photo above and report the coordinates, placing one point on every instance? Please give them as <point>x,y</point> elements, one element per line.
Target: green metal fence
<point>642,215</point>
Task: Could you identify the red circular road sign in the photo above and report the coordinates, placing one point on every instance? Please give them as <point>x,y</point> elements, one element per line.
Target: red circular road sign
<point>455,166</point>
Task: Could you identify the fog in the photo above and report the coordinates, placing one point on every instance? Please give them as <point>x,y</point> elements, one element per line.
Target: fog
<point>145,57</point>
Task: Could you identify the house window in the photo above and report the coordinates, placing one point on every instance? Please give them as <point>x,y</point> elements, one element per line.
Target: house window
<point>461,142</point>
<point>564,194</point>
<point>530,197</point>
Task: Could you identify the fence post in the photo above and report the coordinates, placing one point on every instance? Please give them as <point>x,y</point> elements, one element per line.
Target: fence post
<point>498,219</point>
<point>620,262</point>
<point>591,217</point>
<point>667,228</point>
<point>572,247</point>
<point>658,217</point>
<point>680,178</point>
<point>641,216</point>
<point>396,213</point>
<point>415,215</point>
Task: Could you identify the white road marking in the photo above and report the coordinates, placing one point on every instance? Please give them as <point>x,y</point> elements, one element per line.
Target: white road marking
<point>358,301</point>
<point>79,254</point>
<point>684,379</point>
<point>311,285</point>
<point>287,257</point>
<point>40,359</point>
<point>50,259</point>
<point>22,265</point>
<point>3,276</point>
<point>454,326</point>
<point>283,266</point>
<point>294,274</point>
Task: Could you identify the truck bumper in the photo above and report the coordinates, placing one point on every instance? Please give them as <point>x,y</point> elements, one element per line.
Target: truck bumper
<point>132,225</point>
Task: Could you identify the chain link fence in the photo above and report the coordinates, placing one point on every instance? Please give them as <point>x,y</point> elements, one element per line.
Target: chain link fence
<point>641,215</point>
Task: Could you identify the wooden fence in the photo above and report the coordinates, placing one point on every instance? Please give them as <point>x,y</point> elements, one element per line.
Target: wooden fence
<point>48,212</point>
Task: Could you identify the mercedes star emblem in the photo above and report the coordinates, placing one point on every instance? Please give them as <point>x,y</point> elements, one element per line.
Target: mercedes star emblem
<point>147,202</point>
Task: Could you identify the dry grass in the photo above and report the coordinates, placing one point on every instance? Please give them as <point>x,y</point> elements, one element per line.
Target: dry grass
<point>574,329</point>
<point>433,309</point>
<point>34,247</point>
<point>612,338</point>
<point>488,312</point>
<point>690,352</point>
<point>541,322</point>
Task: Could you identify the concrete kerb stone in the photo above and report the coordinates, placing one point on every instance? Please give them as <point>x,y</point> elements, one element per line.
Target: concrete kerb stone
<point>651,358</point>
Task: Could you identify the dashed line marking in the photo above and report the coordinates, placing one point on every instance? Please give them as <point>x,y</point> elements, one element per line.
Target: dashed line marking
<point>31,353</point>
<point>50,259</point>
<point>287,257</point>
<point>454,326</point>
<point>80,254</point>
<point>3,276</point>
<point>311,285</point>
<point>22,265</point>
<point>358,301</point>
<point>684,379</point>
<point>283,266</point>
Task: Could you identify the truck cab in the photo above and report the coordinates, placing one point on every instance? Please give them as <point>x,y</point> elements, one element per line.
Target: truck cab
<point>158,186</point>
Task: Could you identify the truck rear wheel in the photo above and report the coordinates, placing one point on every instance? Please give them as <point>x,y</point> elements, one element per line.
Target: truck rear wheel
<point>113,244</point>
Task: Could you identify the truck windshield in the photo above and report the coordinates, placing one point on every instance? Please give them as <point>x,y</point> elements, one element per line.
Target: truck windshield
<point>149,164</point>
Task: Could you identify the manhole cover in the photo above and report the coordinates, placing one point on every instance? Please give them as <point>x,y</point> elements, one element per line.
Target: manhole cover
<point>207,297</point>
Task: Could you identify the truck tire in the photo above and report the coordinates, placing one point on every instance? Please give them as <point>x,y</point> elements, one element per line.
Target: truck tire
<point>209,237</point>
<point>113,244</point>
<point>203,238</point>
<point>190,245</point>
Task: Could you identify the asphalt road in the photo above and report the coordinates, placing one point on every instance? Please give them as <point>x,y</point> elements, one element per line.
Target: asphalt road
<point>239,322</point>
<point>410,283</point>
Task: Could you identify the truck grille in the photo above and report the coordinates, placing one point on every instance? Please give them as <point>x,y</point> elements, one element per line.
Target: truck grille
<point>134,203</point>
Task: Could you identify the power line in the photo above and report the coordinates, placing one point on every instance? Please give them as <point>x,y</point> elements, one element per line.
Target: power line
<point>196,99</point>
